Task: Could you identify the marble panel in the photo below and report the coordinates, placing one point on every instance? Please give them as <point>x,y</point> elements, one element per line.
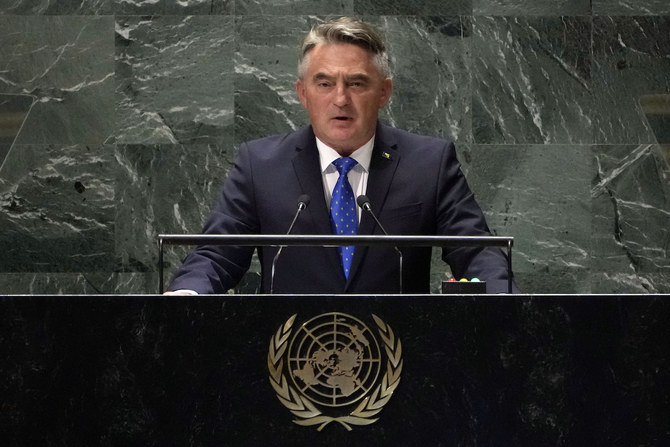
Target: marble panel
<point>174,79</point>
<point>65,63</point>
<point>630,7</point>
<point>85,283</point>
<point>538,194</point>
<point>134,282</point>
<point>631,205</point>
<point>57,209</point>
<point>532,80</point>
<point>166,189</point>
<point>531,7</point>
<point>13,112</point>
<point>415,7</point>
<point>631,59</point>
<point>656,109</point>
<point>173,7</point>
<point>55,7</point>
<point>431,75</point>
<point>288,7</point>
<point>266,58</point>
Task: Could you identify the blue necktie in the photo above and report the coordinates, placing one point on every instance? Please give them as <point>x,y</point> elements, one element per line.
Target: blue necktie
<point>343,210</point>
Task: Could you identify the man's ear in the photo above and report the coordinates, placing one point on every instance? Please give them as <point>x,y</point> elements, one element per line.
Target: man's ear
<point>300,89</point>
<point>387,89</point>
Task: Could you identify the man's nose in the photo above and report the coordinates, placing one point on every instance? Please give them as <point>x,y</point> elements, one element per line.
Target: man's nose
<point>341,96</point>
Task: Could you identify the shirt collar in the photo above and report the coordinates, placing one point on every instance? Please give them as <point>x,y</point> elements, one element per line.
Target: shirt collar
<point>362,155</point>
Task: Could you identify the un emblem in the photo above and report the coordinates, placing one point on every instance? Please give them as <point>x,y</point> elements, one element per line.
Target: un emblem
<point>333,363</point>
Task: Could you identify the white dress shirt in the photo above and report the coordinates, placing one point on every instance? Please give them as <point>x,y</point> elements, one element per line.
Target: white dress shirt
<point>358,176</point>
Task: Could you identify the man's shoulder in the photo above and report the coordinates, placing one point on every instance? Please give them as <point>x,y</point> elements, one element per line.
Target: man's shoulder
<point>409,141</point>
<point>294,138</point>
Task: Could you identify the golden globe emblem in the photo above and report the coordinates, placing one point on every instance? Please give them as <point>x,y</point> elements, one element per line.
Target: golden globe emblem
<point>334,359</point>
<point>333,363</point>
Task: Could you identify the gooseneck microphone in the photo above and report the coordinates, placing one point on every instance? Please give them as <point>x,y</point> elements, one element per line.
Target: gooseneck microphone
<point>303,201</point>
<point>364,202</point>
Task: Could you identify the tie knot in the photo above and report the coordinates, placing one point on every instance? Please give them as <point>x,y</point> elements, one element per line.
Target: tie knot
<point>344,165</point>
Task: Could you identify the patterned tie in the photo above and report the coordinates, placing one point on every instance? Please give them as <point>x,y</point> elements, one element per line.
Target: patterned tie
<point>343,210</point>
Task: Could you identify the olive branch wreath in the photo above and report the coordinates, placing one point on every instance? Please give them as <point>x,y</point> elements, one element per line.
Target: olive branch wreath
<point>305,410</point>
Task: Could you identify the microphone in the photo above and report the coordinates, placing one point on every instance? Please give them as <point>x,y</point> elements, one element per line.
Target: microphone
<point>364,202</point>
<point>303,201</point>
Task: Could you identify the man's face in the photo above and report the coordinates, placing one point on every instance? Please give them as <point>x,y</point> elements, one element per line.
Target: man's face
<point>343,91</point>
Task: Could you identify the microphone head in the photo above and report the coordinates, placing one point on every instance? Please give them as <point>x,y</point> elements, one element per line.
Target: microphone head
<point>303,201</point>
<point>362,201</point>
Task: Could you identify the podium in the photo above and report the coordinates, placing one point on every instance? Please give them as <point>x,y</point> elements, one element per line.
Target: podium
<point>476,370</point>
<point>281,241</point>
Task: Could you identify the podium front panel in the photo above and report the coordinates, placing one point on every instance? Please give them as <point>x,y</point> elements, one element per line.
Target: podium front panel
<point>295,370</point>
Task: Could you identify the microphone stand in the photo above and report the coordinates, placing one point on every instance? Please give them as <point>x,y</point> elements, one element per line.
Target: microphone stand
<point>303,201</point>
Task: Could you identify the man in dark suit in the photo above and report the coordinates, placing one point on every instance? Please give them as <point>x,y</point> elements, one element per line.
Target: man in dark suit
<point>414,183</point>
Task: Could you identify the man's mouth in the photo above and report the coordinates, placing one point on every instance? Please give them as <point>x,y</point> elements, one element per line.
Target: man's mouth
<point>342,118</point>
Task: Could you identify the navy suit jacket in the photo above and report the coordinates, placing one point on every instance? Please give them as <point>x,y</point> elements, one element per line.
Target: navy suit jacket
<point>415,186</point>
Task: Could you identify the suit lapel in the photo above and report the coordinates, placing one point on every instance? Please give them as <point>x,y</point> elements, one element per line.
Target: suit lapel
<point>383,165</point>
<point>308,171</point>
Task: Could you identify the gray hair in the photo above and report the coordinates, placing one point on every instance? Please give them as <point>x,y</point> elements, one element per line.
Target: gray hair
<point>346,30</point>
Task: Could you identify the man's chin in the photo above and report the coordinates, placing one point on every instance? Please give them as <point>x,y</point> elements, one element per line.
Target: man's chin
<point>339,141</point>
<point>342,125</point>
<point>343,131</point>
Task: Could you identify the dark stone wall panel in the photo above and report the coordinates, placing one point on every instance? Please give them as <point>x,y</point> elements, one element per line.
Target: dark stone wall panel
<point>84,283</point>
<point>173,7</point>
<point>630,7</point>
<point>65,64</point>
<point>56,7</point>
<point>532,80</point>
<point>631,205</point>
<point>266,54</point>
<point>531,7</point>
<point>293,7</point>
<point>164,189</point>
<point>540,195</point>
<point>631,59</point>
<point>57,209</point>
<point>174,77</point>
<point>431,75</point>
<point>13,112</point>
<point>414,7</point>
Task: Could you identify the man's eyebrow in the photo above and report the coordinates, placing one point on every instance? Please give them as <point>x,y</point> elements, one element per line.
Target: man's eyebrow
<point>358,77</point>
<point>321,75</point>
<point>354,77</point>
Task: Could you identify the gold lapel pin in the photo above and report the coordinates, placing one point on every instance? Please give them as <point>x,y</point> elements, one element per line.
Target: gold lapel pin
<point>386,155</point>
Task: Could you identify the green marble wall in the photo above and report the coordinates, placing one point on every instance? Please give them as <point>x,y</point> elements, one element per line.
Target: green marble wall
<point>119,120</point>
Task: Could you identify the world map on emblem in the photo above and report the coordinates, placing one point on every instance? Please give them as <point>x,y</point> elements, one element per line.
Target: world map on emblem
<point>334,359</point>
